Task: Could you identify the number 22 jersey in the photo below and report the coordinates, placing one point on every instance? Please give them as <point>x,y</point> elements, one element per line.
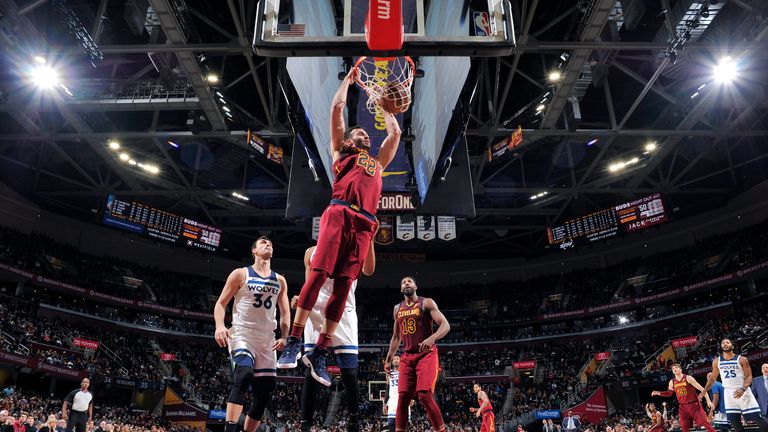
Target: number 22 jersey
<point>415,324</point>
<point>357,180</point>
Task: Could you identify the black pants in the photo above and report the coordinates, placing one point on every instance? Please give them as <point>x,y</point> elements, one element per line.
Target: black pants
<point>77,421</point>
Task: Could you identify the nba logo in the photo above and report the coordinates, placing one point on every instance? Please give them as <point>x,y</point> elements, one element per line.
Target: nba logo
<point>482,25</point>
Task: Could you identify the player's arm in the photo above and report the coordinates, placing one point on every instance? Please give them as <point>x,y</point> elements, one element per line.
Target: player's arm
<point>692,381</point>
<point>337,114</point>
<point>369,265</point>
<point>439,319</point>
<point>234,280</point>
<point>391,142</point>
<point>715,401</point>
<point>485,401</point>
<point>669,392</point>
<point>715,373</point>
<point>394,343</point>
<point>285,313</point>
<point>648,412</point>
<point>90,412</point>
<point>657,419</point>
<point>747,378</point>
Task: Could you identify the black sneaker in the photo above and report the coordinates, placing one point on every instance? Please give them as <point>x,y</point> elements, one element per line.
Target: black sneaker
<point>316,362</point>
<point>291,353</point>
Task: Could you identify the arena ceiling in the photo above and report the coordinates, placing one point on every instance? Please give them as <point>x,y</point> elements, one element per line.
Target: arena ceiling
<point>635,74</point>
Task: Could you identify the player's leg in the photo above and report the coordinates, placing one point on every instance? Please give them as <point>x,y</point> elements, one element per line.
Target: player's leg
<point>426,372</point>
<point>241,379</point>
<point>308,398</point>
<point>262,386</point>
<point>686,421</point>
<point>751,410</point>
<point>333,315</point>
<point>348,365</point>
<point>326,253</point>
<point>755,417</point>
<point>700,417</point>
<point>406,389</point>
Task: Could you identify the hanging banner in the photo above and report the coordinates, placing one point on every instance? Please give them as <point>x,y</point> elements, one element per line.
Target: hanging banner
<point>424,233</point>
<point>384,235</point>
<point>594,409</point>
<point>275,154</point>
<point>406,230</point>
<point>167,356</point>
<point>602,356</point>
<point>85,343</point>
<point>446,228</point>
<point>527,364</point>
<point>257,143</point>
<point>315,227</point>
<point>395,202</point>
<point>685,342</point>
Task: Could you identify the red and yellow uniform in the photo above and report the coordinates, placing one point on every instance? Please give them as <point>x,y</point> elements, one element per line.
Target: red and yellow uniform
<point>690,408</point>
<point>489,420</point>
<point>349,223</point>
<point>658,418</point>
<point>418,370</point>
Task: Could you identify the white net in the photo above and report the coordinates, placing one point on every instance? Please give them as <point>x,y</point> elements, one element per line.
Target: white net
<point>386,77</point>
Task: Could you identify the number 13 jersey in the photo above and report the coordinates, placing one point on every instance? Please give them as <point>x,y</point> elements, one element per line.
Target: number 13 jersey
<point>414,324</point>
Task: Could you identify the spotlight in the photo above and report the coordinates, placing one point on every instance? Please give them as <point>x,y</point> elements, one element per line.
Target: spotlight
<point>623,320</point>
<point>114,145</point>
<point>173,144</point>
<point>225,108</point>
<point>40,59</point>
<point>616,166</point>
<point>554,76</point>
<point>132,162</point>
<point>212,78</point>
<point>124,157</point>
<point>540,108</point>
<point>592,142</point>
<point>725,71</point>
<point>240,196</point>
<point>651,146</point>
<point>705,13</point>
<point>45,77</point>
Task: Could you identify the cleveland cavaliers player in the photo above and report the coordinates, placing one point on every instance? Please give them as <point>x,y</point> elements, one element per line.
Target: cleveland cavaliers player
<point>415,318</point>
<point>346,228</point>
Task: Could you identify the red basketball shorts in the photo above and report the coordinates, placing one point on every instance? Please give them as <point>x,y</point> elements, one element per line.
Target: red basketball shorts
<point>692,413</point>
<point>418,371</point>
<point>343,243</point>
<point>489,422</point>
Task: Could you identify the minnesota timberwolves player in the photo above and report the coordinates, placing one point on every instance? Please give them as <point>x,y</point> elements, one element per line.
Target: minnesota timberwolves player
<point>257,291</point>
<point>737,378</point>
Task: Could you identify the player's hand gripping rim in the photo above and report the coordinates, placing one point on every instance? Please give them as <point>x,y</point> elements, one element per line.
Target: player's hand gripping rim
<point>222,336</point>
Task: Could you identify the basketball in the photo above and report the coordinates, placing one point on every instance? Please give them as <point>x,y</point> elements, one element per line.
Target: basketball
<point>396,98</point>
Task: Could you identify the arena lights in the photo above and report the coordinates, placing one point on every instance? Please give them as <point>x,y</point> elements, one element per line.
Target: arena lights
<point>620,165</point>
<point>539,195</point>
<point>152,169</point>
<point>725,71</point>
<point>114,145</point>
<point>540,108</point>
<point>240,196</point>
<point>44,76</point>
<point>212,78</point>
<point>173,144</point>
<point>124,157</point>
<point>651,146</point>
<point>623,320</point>
<point>554,76</point>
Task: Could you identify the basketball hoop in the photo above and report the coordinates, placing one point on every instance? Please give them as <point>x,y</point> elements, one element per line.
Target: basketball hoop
<point>386,77</point>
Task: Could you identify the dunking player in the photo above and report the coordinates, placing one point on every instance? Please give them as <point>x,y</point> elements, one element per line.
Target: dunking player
<point>685,386</point>
<point>414,318</point>
<point>737,378</point>
<point>257,291</point>
<point>346,228</point>
<point>485,410</point>
<point>656,418</point>
<point>344,344</point>
<point>390,404</point>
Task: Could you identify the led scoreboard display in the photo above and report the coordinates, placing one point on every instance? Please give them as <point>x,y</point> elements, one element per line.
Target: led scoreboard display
<point>160,224</point>
<point>630,216</point>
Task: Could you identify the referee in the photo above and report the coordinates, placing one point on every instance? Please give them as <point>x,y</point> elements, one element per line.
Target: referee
<point>81,403</point>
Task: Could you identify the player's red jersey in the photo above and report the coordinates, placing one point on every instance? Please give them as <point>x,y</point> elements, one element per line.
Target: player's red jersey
<point>488,407</point>
<point>685,392</point>
<point>415,324</point>
<point>357,180</point>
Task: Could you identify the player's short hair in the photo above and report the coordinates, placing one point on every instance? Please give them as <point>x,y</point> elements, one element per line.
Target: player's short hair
<point>253,245</point>
<point>676,364</point>
<point>349,130</point>
<point>408,277</point>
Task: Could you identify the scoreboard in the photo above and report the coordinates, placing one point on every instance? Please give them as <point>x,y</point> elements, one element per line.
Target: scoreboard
<point>629,216</point>
<point>159,224</point>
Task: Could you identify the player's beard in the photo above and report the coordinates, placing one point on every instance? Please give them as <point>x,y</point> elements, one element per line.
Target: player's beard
<point>409,292</point>
<point>361,144</point>
<point>728,350</point>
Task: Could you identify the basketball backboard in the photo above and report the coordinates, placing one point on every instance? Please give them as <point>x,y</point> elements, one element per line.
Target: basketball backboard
<point>336,28</point>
